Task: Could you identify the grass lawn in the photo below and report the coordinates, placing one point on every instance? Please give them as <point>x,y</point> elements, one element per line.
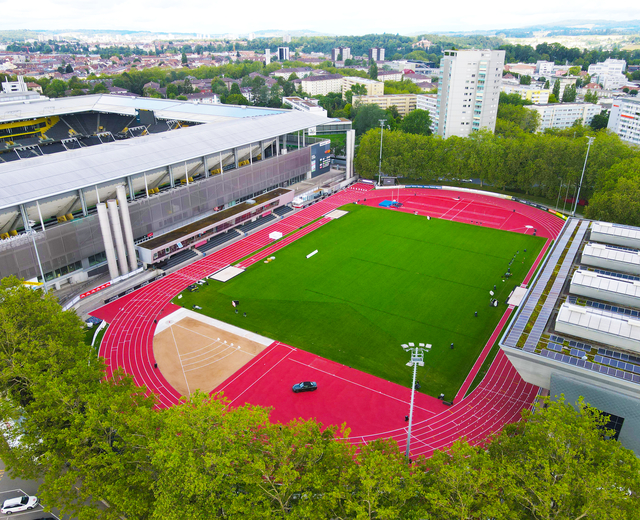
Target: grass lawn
<point>381,278</point>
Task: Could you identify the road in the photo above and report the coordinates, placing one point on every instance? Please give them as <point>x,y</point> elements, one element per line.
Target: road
<point>11,488</point>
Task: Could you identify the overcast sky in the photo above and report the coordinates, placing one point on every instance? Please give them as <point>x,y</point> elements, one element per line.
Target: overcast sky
<point>326,16</point>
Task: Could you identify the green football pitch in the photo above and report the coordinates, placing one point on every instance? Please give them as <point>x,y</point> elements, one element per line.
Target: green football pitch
<point>380,279</point>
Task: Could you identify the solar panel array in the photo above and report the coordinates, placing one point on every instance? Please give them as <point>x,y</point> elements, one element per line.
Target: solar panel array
<point>613,308</point>
<point>580,345</point>
<point>623,248</point>
<point>536,291</point>
<point>617,275</point>
<point>588,365</point>
<point>547,308</point>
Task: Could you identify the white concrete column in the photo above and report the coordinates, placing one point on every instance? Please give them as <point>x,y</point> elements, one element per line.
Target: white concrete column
<point>107,239</point>
<point>117,235</point>
<point>350,149</point>
<point>126,225</point>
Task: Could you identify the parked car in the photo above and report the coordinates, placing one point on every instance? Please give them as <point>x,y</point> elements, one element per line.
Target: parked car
<point>305,386</point>
<point>17,504</point>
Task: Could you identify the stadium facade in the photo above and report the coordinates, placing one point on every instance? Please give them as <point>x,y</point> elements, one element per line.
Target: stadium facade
<point>90,182</point>
<point>577,330</point>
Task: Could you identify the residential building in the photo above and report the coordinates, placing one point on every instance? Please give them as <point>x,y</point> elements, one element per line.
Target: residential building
<point>301,72</point>
<point>422,44</point>
<point>609,73</point>
<point>521,68</point>
<point>322,85</point>
<point>469,91</point>
<point>608,66</point>
<point>374,88</point>
<point>405,103</point>
<point>429,102</point>
<point>544,68</point>
<point>611,81</point>
<point>376,54</point>
<point>536,95</point>
<point>283,53</point>
<point>390,75</point>
<point>565,81</point>
<point>624,119</point>
<point>564,115</point>
<point>344,51</point>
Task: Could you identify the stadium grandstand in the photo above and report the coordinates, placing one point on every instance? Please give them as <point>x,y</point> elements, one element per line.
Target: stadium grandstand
<point>577,329</point>
<point>101,184</point>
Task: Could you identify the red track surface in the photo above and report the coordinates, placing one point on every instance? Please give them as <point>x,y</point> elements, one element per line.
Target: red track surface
<point>370,407</point>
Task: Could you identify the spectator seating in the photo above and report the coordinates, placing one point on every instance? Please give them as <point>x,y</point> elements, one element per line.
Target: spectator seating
<point>218,240</point>
<point>282,210</point>
<point>246,228</point>
<point>179,258</point>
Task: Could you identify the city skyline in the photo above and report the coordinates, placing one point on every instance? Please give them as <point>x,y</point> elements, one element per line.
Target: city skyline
<point>331,18</point>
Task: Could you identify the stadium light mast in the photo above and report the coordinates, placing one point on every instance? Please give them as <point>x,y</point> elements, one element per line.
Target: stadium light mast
<point>417,359</point>
<point>575,206</point>
<point>382,122</point>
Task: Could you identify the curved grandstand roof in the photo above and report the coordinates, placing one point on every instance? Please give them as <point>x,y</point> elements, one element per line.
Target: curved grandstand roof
<point>38,177</point>
<point>163,108</point>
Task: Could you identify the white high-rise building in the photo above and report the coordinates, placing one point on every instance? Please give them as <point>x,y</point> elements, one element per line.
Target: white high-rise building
<point>469,91</point>
<point>624,119</point>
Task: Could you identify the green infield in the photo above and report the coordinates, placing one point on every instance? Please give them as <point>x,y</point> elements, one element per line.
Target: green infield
<point>381,278</point>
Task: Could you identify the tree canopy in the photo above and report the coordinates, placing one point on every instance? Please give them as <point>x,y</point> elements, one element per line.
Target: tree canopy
<point>93,440</point>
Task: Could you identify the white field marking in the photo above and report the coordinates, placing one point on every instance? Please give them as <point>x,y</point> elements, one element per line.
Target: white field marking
<point>181,365</point>
<point>264,374</point>
<point>363,386</point>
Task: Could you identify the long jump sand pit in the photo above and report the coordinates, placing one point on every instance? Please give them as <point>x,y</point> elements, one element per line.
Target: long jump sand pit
<point>197,352</point>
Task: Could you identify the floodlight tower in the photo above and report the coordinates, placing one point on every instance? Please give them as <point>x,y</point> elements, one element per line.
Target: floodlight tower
<point>382,122</point>
<point>417,359</point>
<point>575,206</point>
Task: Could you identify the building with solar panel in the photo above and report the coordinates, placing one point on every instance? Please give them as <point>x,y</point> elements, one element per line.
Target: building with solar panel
<point>577,330</point>
<point>104,183</point>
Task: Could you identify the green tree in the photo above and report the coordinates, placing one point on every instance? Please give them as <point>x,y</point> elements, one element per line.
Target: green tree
<point>417,122</point>
<point>184,59</point>
<point>68,69</point>
<point>525,80</point>
<point>373,70</point>
<point>557,463</point>
<point>368,117</point>
<point>556,89</point>
<point>569,94</point>
<point>617,194</point>
<point>575,71</point>
<point>600,121</point>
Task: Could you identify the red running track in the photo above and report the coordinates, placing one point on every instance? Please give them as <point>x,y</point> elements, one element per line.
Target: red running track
<point>370,407</point>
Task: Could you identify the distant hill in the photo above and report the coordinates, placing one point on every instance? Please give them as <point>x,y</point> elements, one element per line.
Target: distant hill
<point>566,27</point>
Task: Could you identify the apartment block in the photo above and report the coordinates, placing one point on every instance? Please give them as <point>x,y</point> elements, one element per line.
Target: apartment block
<point>376,54</point>
<point>429,102</point>
<point>469,91</point>
<point>405,103</point>
<point>374,88</point>
<point>538,96</point>
<point>564,115</point>
<point>624,119</point>
<point>344,51</point>
<point>322,85</point>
